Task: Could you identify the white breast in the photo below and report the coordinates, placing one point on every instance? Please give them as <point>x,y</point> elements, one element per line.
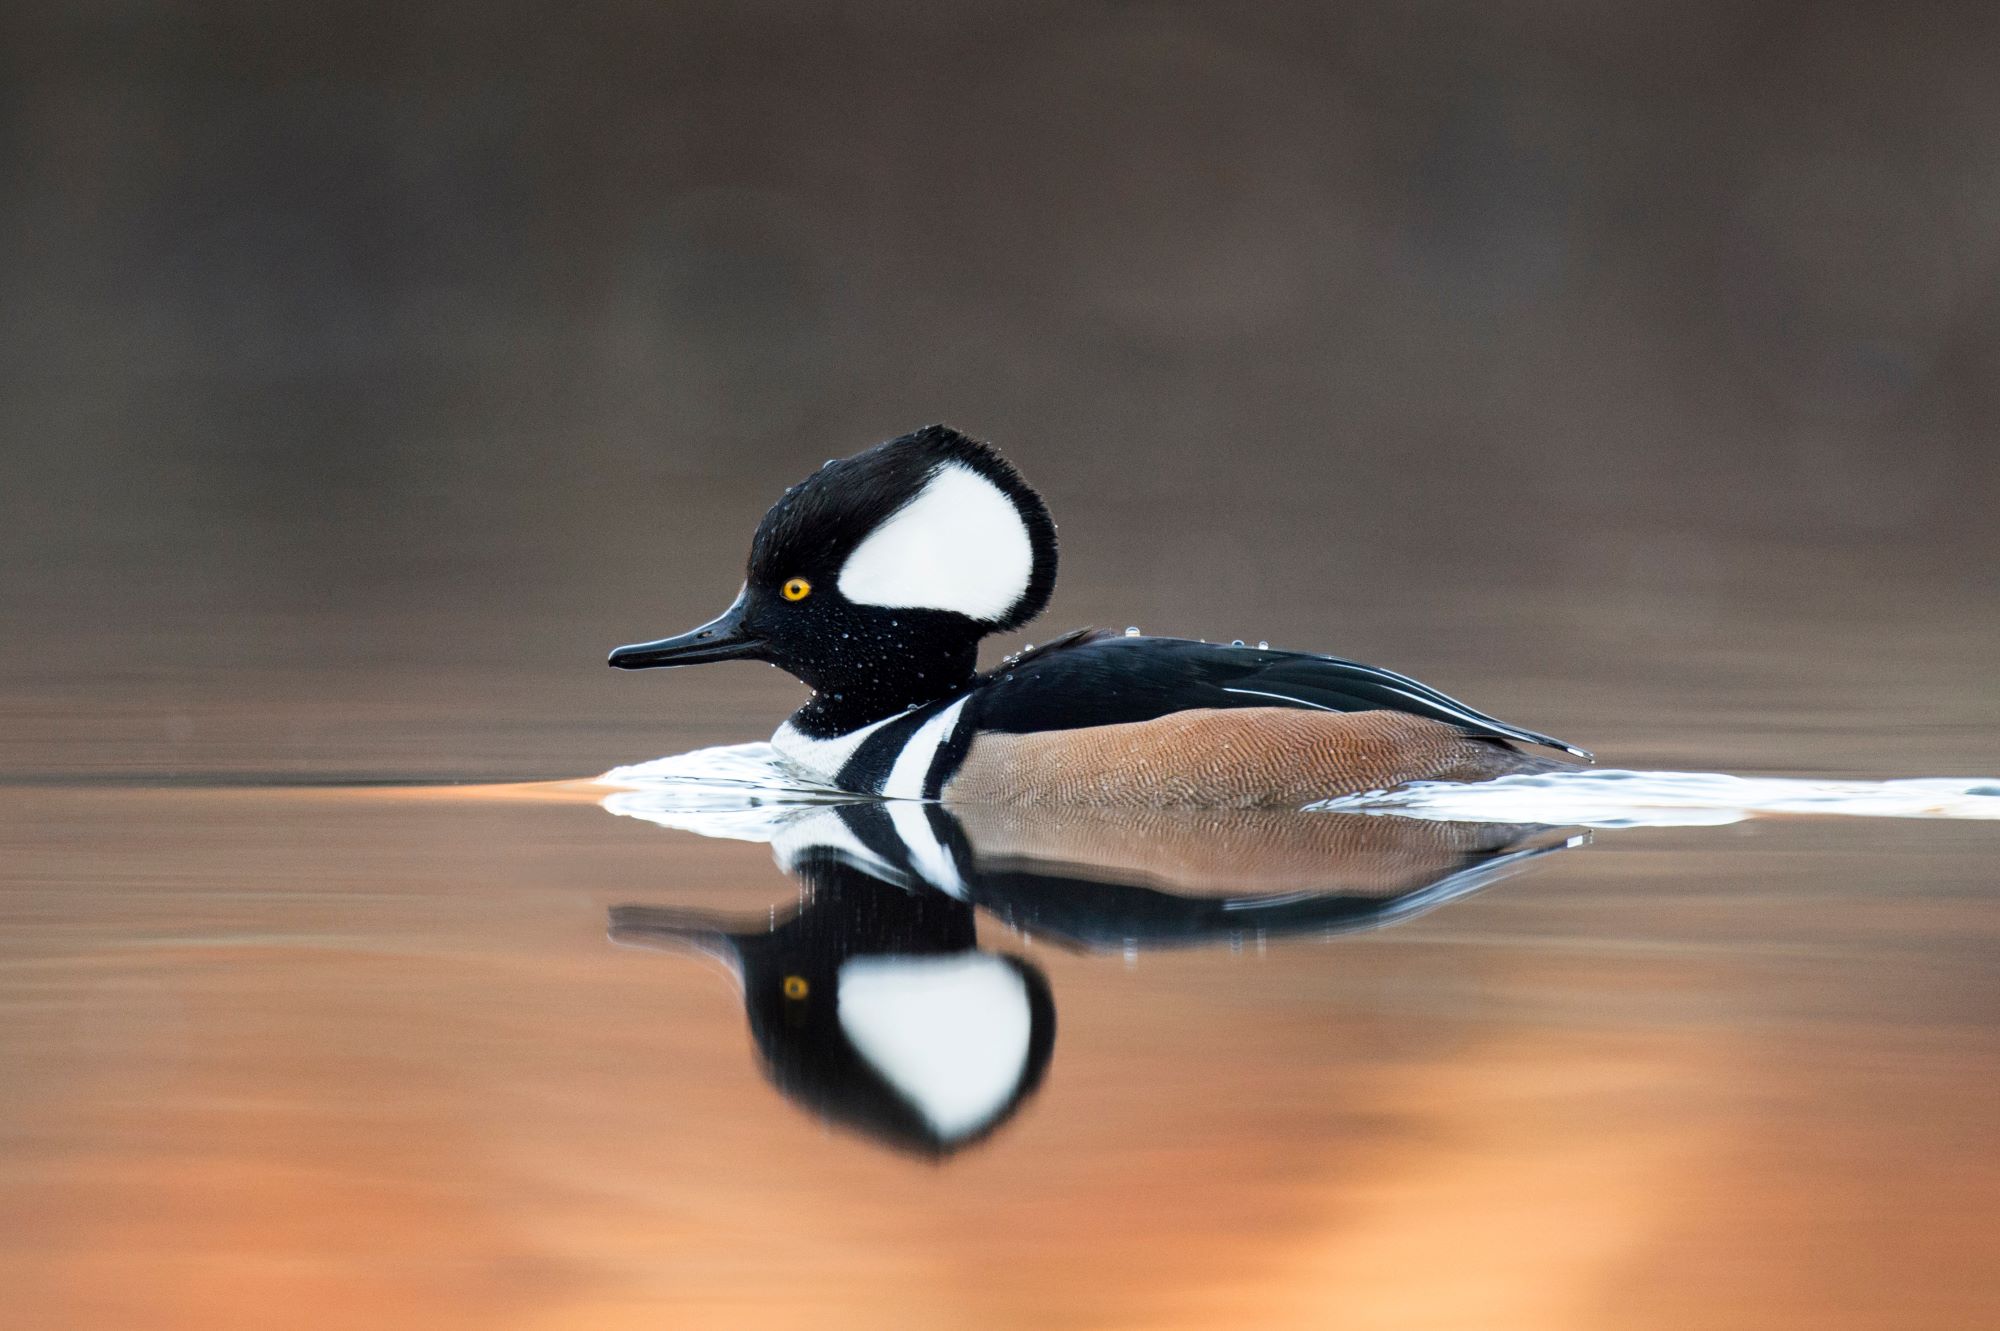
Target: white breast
<point>822,759</point>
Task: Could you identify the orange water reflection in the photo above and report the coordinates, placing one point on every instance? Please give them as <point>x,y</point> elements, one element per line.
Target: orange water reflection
<point>336,1061</point>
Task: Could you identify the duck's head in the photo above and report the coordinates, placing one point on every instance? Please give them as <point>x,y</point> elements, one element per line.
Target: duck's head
<point>874,579</point>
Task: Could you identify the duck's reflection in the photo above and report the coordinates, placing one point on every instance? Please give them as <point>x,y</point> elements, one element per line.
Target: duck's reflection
<point>872,1004</point>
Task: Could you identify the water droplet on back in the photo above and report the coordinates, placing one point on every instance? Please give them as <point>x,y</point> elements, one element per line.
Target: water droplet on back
<point>1132,630</point>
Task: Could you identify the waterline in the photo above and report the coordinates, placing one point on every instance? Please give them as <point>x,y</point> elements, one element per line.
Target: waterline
<point>745,777</point>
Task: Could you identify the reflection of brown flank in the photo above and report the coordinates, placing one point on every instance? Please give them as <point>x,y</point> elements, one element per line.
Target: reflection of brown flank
<point>1234,758</point>
<point>1236,852</point>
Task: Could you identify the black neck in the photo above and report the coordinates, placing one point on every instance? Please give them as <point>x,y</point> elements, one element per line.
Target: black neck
<point>847,696</point>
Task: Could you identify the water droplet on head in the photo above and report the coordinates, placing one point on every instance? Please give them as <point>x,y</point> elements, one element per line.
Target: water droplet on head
<point>1263,646</point>
<point>1131,630</point>
<point>1236,642</point>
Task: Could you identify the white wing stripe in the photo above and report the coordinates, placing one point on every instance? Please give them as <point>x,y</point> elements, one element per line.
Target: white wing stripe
<point>1283,697</point>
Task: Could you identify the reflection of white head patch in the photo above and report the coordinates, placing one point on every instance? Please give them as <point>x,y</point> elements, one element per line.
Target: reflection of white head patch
<point>949,1033</point>
<point>959,545</point>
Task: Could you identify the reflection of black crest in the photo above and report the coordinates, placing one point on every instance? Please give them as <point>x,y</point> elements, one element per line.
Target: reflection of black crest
<point>791,980</point>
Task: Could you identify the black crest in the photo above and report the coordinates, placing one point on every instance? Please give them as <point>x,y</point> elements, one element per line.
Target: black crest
<point>823,518</point>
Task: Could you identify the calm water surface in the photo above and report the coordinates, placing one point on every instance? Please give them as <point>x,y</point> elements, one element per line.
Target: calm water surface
<point>405,1054</point>
<point>366,1056</point>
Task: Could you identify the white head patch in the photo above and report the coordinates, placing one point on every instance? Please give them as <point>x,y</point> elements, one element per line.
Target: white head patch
<point>959,545</point>
<point>949,1033</point>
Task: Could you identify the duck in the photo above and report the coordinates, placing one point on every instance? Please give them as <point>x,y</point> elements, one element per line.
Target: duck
<point>875,580</point>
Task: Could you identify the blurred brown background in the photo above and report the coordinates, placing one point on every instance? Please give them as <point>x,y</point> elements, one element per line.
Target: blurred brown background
<point>366,370</point>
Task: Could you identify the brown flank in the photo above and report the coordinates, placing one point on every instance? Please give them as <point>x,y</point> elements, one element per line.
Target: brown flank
<point>1231,758</point>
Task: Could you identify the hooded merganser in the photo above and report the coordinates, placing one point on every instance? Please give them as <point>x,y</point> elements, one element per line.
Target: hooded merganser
<point>874,580</point>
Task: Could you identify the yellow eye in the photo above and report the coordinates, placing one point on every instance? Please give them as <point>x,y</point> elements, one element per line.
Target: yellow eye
<point>795,987</point>
<point>798,589</point>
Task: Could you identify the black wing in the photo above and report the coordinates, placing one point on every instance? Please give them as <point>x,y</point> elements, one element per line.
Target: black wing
<point>1091,679</point>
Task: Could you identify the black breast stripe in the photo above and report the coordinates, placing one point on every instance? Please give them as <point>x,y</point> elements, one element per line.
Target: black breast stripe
<point>868,769</point>
<point>950,755</point>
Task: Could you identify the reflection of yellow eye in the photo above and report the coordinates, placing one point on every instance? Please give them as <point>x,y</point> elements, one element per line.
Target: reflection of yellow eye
<point>795,986</point>
<point>798,589</point>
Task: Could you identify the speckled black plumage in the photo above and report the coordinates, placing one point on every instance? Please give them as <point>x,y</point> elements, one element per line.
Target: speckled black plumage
<point>865,662</point>
<point>817,523</point>
<point>1097,679</point>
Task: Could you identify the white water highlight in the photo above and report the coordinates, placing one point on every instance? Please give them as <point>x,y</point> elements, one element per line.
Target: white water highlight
<point>739,790</point>
<point>1613,798</point>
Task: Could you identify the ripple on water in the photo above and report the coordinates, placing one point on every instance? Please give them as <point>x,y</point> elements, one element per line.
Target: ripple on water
<point>1614,798</point>
<point>749,777</point>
